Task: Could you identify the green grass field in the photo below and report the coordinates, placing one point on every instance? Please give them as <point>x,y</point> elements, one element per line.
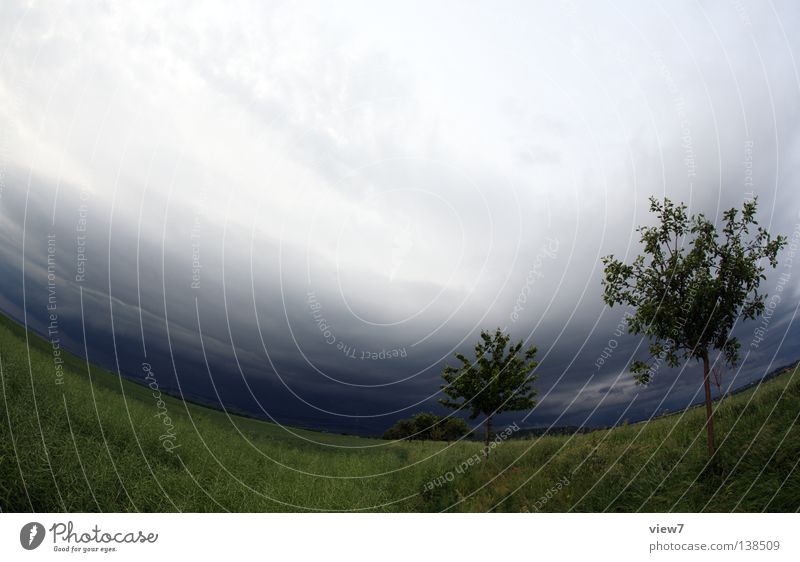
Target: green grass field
<point>92,444</point>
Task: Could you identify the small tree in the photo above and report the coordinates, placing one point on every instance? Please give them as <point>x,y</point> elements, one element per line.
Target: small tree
<point>428,426</point>
<point>495,381</point>
<point>402,429</point>
<point>691,285</point>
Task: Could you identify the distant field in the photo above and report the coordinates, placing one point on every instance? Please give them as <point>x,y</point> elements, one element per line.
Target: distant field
<point>94,443</point>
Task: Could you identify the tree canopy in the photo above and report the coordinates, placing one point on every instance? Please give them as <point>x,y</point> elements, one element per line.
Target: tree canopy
<point>691,284</point>
<point>499,379</point>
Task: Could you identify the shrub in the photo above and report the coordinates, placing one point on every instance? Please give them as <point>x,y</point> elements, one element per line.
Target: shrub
<point>428,426</point>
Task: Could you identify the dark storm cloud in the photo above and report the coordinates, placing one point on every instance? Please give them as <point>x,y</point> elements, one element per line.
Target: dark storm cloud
<point>304,215</point>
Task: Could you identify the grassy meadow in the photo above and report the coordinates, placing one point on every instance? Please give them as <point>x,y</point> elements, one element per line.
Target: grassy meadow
<point>95,443</point>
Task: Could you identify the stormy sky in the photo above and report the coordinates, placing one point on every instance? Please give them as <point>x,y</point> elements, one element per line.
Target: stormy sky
<point>302,211</point>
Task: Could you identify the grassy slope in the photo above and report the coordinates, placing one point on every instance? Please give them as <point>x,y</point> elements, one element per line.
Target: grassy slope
<point>93,444</point>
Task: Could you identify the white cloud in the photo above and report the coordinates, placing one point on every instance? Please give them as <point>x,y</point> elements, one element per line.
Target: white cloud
<point>471,132</point>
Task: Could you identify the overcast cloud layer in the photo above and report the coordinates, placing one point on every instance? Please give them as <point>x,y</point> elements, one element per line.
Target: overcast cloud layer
<point>301,212</point>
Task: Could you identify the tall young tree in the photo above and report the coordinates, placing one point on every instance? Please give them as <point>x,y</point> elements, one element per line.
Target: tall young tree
<point>690,286</point>
<point>495,381</point>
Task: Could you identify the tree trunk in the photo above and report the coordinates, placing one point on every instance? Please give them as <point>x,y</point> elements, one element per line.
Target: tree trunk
<point>709,407</point>
<point>488,427</point>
